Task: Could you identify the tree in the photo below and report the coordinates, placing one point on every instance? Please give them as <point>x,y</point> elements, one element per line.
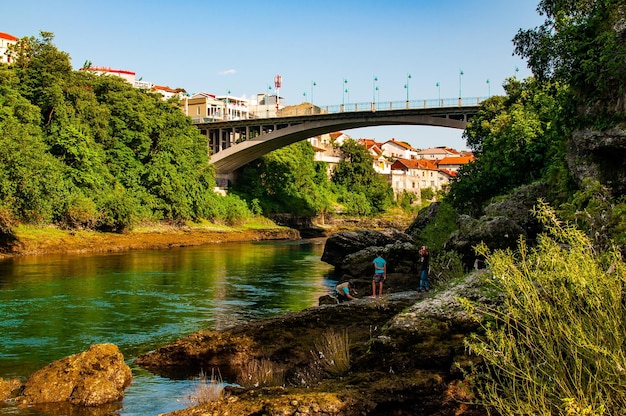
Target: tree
<point>286,180</point>
<point>581,44</point>
<point>515,140</point>
<point>355,175</point>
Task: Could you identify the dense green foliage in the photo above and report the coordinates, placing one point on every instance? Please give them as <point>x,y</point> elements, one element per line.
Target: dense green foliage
<point>556,346</point>
<point>289,181</point>
<point>515,140</point>
<point>581,44</point>
<point>91,151</point>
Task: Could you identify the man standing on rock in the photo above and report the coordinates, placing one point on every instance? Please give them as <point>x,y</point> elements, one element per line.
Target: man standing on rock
<point>425,260</point>
<point>380,275</point>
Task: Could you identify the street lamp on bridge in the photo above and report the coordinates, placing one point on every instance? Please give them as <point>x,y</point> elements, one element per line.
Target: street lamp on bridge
<point>374,88</point>
<point>460,76</point>
<point>344,89</point>
<point>227,102</point>
<point>488,89</point>
<point>406,87</point>
<point>438,85</point>
<point>313,84</point>
<point>267,101</point>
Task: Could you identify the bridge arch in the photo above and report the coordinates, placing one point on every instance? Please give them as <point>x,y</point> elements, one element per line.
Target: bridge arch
<point>237,143</point>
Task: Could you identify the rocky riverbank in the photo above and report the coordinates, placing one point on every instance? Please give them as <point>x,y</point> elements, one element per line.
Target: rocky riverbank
<point>406,358</point>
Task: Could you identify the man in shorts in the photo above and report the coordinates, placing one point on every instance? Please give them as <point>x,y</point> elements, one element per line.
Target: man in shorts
<point>380,275</point>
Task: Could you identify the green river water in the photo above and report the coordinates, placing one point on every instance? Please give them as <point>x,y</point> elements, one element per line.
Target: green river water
<point>55,306</point>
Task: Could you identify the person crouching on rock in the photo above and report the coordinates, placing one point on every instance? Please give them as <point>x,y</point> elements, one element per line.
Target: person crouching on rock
<point>346,291</point>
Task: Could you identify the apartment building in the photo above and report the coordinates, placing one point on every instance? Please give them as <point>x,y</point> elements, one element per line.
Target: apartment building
<point>6,40</point>
<point>204,107</point>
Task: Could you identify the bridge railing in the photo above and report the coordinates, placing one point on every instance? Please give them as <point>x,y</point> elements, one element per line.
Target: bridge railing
<point>368,106</point>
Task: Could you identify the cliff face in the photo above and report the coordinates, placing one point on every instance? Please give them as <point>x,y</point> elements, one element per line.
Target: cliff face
<point>600,155</point>
<point>406,357</point>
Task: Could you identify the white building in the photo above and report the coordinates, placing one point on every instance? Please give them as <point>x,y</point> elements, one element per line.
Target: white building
<point>398,150</point>
<point>437,153</point>
<point>204,107</point>
<point>6,40</point>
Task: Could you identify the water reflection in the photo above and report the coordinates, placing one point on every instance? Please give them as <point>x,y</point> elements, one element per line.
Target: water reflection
<point>55,306</point>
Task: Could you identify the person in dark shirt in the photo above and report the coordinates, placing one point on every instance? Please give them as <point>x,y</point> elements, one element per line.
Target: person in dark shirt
<point>425,259</point>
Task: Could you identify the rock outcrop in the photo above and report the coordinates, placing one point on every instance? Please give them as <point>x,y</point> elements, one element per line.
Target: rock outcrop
<point>504,222</point>
<point>94,377</point>
<point>600,155</point>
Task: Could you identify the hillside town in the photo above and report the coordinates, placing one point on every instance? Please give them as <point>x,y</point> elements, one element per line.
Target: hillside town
<point>406,168</point>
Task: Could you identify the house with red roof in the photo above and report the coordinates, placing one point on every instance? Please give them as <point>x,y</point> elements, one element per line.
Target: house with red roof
<point>437,153</point>
<point>453,164</point>
<point>6,40</point>
<point>398,150</point>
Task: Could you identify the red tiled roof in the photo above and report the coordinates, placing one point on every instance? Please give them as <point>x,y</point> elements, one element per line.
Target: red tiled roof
<point>450,173</point>
<point>458,160</point>
<point>414,164</point>
<point>7,36</point>
<point>399,143</point>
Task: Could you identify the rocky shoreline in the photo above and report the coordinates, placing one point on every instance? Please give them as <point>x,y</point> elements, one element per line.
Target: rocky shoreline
<point>407,353</point>
<point>407,357</point>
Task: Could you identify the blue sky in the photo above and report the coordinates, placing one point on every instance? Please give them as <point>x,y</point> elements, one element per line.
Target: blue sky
<point>217,46</point>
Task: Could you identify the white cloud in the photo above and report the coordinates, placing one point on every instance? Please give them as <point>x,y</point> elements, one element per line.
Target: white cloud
<point>228,72</point>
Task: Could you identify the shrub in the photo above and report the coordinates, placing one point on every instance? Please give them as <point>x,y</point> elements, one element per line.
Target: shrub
<point>557,342</point>
<point>444,267</point>
<point>81,212</point>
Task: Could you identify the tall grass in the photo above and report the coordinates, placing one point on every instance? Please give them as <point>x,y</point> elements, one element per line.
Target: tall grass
<point>261,373</point>
<point>333,352</point>
<point>207,389</point>
<point>558,343</point>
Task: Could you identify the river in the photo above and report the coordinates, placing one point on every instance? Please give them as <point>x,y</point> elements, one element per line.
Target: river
<point>58,305</point>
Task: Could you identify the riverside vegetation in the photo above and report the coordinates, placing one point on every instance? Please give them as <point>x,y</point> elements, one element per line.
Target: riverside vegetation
<point>549,343</point>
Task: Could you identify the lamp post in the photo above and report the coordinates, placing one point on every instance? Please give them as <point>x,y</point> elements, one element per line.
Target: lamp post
<point>267,101</point>
<point>377,95</point>
<point>460,77</point>
<point>374,89</point>
<point>227,102</point>
<point>406,86</point>
<point>343,91</point>
<point>516,71</point>
<point>313,84</point>
<point>488,89</point>
<point>438,85</point>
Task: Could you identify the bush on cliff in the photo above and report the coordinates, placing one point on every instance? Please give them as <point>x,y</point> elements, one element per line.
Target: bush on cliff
<point>556,345</point>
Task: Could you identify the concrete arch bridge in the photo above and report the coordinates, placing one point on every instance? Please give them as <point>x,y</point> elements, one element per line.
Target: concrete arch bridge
<point>234,143</point>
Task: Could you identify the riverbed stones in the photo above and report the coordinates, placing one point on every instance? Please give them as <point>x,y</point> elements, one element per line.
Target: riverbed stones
<point>91,378</point>
<point>9,389</point>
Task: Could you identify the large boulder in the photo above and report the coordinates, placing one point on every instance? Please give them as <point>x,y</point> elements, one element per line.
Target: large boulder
<point>496,233</point>
<point>506,220</point>
<point>338,246</point>
<point>91,378</point>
